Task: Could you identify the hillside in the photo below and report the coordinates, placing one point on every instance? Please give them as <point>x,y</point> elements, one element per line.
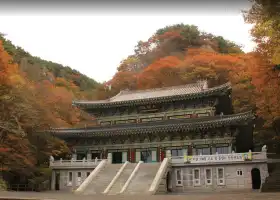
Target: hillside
<point>38,69</point>
<point>36,94</point>
<point>70,83</point>
<point>181,54</point>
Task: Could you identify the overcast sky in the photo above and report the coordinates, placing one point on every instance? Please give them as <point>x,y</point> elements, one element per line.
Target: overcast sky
<point>94,43</point>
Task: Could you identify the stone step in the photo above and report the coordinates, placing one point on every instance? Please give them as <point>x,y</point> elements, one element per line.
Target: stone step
<point>271,190</point>
<point>143,178</point>
<point>272,183</point>
<point>118,185</point>
<point>103,179</point>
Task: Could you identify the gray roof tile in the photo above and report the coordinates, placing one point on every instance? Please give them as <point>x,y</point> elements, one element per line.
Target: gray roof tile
<point>160,126</point>
<point>158,93</point>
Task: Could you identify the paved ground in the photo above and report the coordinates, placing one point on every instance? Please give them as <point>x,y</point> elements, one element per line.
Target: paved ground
<point>192,196</point>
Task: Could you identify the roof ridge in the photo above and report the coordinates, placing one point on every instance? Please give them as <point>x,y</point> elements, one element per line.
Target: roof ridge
<point>111,100</point>
<point>161,88</point>
<point>127,91</point>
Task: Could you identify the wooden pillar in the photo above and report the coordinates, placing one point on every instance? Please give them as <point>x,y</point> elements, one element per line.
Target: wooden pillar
<point>109,158</point>
<point>104,154</point>
<point>162,154</point>
<point>132,155</point>
<point>158,154</point>
<point>89,156</point>
<point>129,155</point>
<point>155,155</point>
<point>190,152</point>
<point>137,155</point>
<point>124,156</point>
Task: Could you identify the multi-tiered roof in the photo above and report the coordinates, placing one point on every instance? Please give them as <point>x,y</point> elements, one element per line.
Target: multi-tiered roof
<point>160,95</point>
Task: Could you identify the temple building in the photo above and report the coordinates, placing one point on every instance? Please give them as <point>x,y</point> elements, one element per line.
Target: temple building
<point>173,139</point>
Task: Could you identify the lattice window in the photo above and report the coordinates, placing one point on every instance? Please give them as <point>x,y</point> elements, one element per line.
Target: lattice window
<point>239,172</point>
<point>196,177</point>
<point>220,176</point>
<point>179,177</point>
<point>208,176</point>
<point>222,150</point>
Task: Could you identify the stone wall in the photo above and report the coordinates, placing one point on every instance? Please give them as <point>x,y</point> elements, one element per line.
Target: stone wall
<point>65,183</point>
<point>236,176</point>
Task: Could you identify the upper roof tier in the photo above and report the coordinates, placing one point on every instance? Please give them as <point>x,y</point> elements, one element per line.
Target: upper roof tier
<point>157,95</point>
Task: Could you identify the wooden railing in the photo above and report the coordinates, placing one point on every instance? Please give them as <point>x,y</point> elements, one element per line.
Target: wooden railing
<point>164,115</point>
<point>74,163</point>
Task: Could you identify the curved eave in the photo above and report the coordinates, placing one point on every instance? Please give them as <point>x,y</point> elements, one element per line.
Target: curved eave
<point>202,123</point>
<point>220,90</point>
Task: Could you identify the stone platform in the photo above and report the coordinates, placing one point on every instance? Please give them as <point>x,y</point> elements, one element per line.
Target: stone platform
<point>190,196</point>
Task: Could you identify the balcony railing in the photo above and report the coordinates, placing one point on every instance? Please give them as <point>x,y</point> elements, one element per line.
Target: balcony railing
<point>74,163</point>
<point>217,158</point>
<point>164,115</point>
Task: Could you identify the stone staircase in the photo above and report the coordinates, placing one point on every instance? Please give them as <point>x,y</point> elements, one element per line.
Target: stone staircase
<point>272,183</point>
<point>143,179</point>
<point>116,188</point>
<point>103,179</point>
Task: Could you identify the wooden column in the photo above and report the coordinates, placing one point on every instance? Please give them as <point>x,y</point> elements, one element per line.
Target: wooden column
<point>137,155</point>
<point>158,154</point>
<point>162,154</point>
<point>132,155</point>
<point>190,153</point>
<point>124,156</point>
<point>104,154</point>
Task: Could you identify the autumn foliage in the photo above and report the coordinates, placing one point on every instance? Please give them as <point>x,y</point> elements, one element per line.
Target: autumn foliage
<point>197,63</point>
<point>28,106</point>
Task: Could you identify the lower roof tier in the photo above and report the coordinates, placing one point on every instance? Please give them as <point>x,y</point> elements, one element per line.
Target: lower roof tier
<point>201,123</point>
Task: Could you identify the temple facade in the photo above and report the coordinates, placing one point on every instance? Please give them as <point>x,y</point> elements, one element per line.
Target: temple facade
<point>192,126</point>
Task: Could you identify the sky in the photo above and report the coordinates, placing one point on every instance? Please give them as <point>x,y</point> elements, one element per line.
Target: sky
<point>95,41</point>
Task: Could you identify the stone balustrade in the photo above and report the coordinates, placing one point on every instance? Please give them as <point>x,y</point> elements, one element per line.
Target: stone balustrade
<point>70,164</point>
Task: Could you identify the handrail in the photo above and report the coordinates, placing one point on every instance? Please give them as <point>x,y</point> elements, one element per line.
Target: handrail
<point>62,163</point>
<point>91,177</point>
<point>160,173</point>
<point>76,161</point>
<point>115,178</point>
<point>131,177</point>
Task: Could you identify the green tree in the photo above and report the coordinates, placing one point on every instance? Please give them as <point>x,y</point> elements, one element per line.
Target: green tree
<point>265,15</point>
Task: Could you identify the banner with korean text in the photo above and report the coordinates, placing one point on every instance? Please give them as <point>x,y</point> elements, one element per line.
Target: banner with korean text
<point>234,157</point>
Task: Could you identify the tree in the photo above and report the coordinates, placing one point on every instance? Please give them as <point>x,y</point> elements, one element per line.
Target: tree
<point>266,33</point>
<point>131,63</point>
<point>20,117</point>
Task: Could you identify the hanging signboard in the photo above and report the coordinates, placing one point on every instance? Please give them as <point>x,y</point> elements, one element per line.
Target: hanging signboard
<point>235,157</point>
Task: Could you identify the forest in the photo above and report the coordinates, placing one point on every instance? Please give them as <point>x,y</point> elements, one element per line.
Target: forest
<point>36,94</point>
